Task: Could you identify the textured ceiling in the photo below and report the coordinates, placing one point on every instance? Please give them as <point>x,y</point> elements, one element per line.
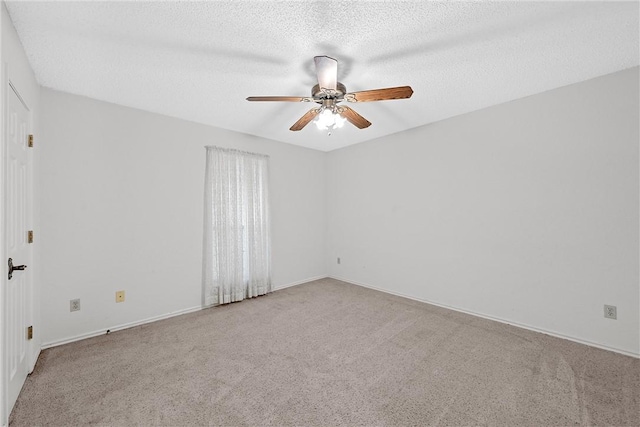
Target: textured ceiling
<point>200,60</point>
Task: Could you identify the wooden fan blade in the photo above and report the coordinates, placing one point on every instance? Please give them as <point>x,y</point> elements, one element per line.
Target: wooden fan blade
<point>327,72</point>
<point>354,118</point>
<point>401,92</point>
<point>304,120</point>
<point>277,98</point>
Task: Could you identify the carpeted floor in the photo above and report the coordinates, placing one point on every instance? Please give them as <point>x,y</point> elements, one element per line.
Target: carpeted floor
<point>329,353</point>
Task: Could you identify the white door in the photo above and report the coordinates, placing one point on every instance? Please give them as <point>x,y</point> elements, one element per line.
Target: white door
<point>18,220</point>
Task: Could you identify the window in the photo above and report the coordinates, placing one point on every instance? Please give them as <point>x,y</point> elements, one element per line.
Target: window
<point>237,244</point>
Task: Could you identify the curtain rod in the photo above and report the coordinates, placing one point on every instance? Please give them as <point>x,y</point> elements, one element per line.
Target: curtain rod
<point>233,150</point>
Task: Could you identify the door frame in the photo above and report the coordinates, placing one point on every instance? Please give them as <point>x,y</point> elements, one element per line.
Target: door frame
<point>6,87</point>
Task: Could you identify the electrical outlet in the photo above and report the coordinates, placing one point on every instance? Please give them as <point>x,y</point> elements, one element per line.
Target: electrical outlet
<point>120,296</point>
<point>74,305</point>
<point>610,312</point>
<point>338,260</point>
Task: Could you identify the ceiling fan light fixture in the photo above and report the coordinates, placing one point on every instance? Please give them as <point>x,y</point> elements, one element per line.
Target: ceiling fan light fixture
<point>329,119</point>
<point>328,93</point>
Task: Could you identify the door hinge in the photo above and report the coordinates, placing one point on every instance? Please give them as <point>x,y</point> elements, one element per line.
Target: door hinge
<point>31,141</point>
<point>30,332</point>
<point>30,236</point>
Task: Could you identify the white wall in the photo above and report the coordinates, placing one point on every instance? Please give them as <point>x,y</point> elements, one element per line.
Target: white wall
<point>122,209</point>
<point>525,211</point>
<point>16,69</point>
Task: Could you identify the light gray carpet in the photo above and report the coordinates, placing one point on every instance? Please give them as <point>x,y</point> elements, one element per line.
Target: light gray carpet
<point>329,353</point>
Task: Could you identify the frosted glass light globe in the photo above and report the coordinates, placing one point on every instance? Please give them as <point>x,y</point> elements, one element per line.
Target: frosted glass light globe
<point>327,119</point>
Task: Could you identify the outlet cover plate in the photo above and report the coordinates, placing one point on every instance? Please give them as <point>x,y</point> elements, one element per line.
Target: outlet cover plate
<point>610,312</point>
<point>74,305</point>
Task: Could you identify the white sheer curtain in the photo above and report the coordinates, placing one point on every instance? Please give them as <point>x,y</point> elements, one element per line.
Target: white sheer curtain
<point>237,244</point>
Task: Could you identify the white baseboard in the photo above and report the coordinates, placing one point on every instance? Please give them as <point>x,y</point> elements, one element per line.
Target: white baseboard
<point>34,360</point>
<point>496,319</point>
<point>151,319</point>
<point>288,285</point>
<point>119,327</point>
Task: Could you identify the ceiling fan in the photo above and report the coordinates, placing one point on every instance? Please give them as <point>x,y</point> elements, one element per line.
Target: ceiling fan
<point>329,92</point>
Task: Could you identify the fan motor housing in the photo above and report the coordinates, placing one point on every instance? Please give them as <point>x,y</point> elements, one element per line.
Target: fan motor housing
<point>320,94</point>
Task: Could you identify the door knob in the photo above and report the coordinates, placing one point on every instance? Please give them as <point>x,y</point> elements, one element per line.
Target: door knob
<point>14,267</point>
